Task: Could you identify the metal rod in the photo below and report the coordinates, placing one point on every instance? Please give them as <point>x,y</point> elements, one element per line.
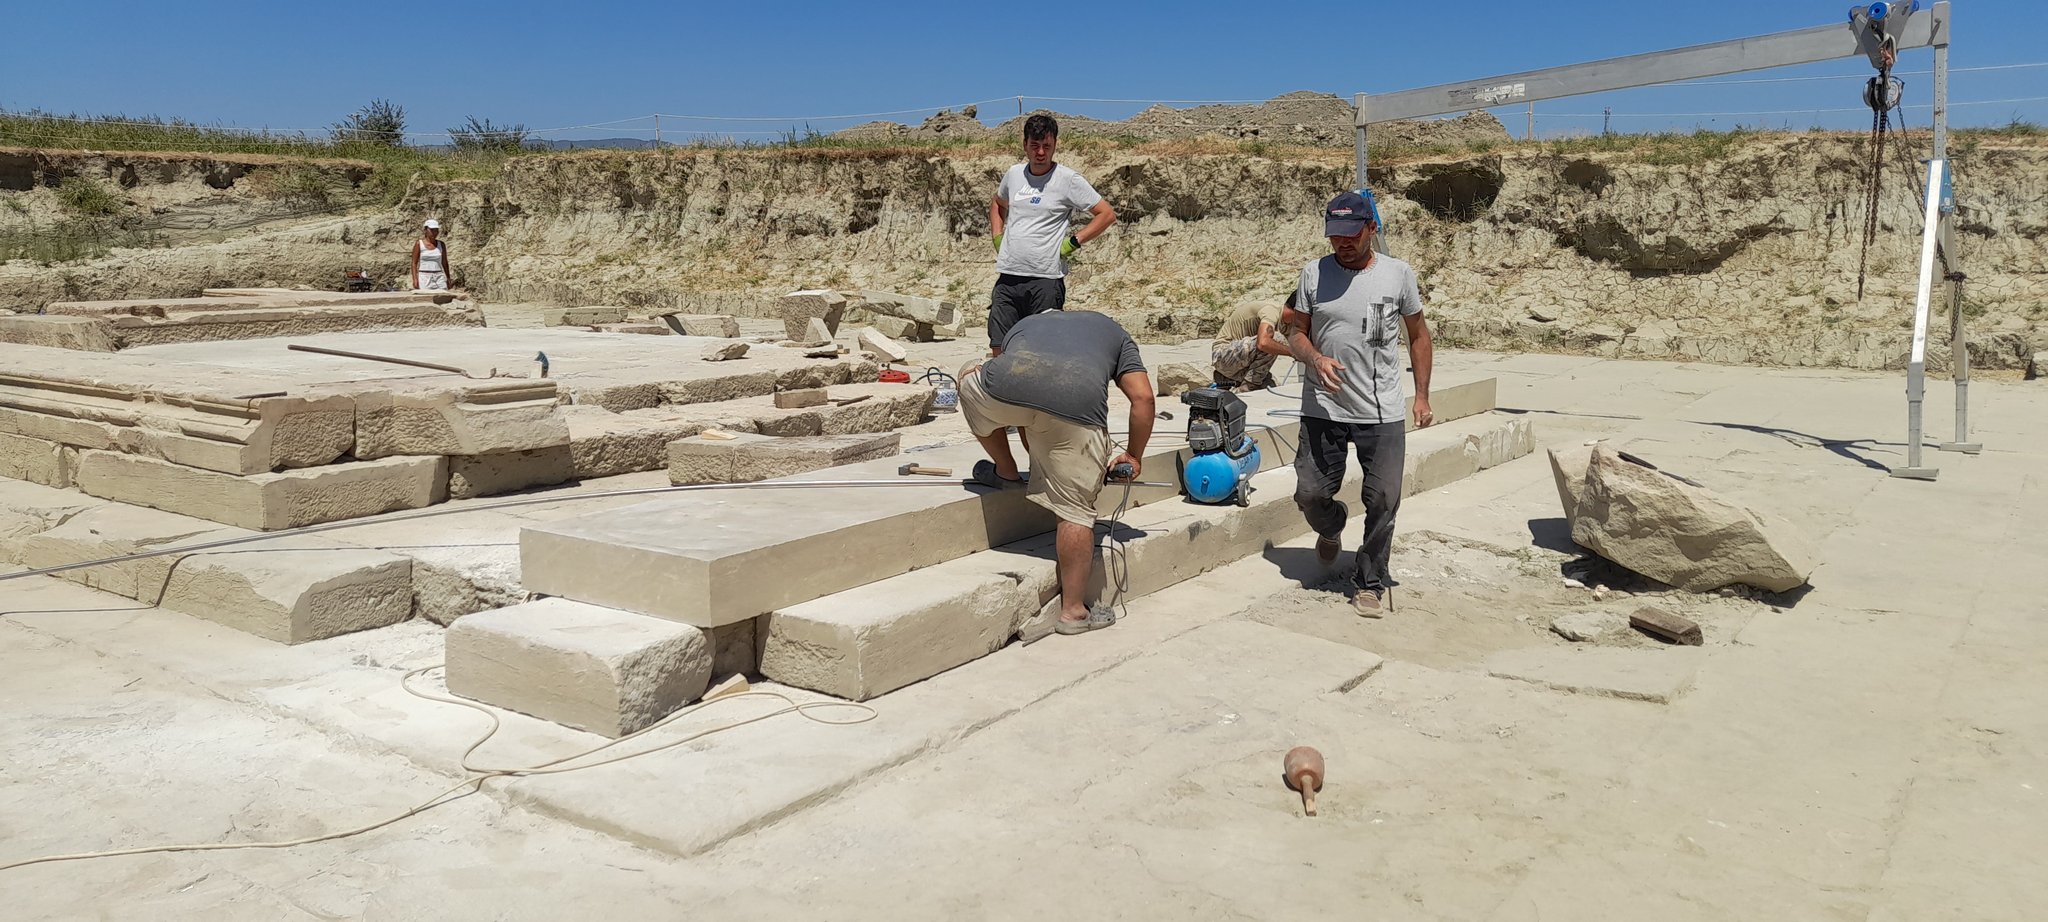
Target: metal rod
<point>389,360</point>
<point>507,504</point>
<point>1359,139</point>
<point>1921,29</point>
<point>1916,366</point>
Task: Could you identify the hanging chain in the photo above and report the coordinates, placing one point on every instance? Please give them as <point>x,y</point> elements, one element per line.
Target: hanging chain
<point>1878,94</point>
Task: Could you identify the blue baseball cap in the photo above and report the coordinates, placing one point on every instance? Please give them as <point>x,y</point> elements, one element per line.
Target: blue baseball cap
<point>1347,214</point>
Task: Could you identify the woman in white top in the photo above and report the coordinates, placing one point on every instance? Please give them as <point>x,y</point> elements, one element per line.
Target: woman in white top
<point>430,260</point>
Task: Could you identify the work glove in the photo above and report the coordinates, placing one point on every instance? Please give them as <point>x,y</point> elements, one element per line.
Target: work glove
<point>1069,245</point>
<point>998,240</point>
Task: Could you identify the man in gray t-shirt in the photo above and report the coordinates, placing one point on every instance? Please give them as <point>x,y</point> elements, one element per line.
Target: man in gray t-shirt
<point>1031,221</point>
<point>1052,384</point>
<point>1349,311</point>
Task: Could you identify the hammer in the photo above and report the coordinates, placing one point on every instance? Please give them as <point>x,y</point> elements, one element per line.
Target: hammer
<point>1304,771</point>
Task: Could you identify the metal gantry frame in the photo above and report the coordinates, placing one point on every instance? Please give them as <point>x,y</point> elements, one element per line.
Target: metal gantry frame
<point>1867,34</point>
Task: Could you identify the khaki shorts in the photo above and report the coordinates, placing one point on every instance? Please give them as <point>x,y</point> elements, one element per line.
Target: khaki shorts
<point>1067,458</point>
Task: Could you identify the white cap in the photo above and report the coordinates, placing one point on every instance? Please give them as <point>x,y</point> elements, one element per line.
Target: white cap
<point>433,224</point>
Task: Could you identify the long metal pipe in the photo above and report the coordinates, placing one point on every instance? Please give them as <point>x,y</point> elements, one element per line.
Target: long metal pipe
<point>507,504</point>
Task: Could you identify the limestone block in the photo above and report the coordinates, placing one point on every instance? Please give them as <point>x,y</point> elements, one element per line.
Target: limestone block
<point>582,316</point>
<point>908,307</point>
<point>719,325</point>
<point>1683,535</point>
<point>749,457</point>
<point>725,352</point>
<point>641,328</point>
<point>112,530</point>
<point>35,460</point>
<point>266,502</point>
<point>85,334</point>
<point>29,509</point>
<point>449,583</point>
<point>1568,468</point>
<point>1176,377</point>
<point>470,476</point>
<point>818,332</point>
<point>583,666</point>
<point>474,418</point>
<point>799,308</point>
<point>906,330</point>
<point>236,435</point>
<point>798,399</point>
<point>882,346</point>
<point>294,591</point>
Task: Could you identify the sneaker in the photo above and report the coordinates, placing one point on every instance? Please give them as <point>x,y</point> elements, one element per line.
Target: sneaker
<point>1326,550</point>
<point>1367,603</point>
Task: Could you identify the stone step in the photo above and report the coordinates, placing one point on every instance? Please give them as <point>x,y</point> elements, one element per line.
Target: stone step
<point>873,639</point>
<point>583,666</point>
<point>704,558</point>
<point>291,591</point>
<point>266,502</point>
<point>747,458</point>
<point>603,443</point>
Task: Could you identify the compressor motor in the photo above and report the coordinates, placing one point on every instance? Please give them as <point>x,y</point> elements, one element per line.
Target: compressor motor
<point>1222,458</point>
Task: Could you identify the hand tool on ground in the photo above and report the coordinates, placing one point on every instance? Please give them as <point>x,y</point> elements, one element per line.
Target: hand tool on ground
<point>848,401</point>
<point>390,360</point>
<point>909,469</point>
<point>1222,458</point>
<point>1304,771</point>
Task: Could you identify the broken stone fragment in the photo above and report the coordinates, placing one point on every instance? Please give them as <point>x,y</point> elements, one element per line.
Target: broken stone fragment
<point>725,352</point>
<point>872,340</point>
<point>718,325</point>
<point>818,331</point>
<point>799,308</point>
<point>1177,377</point>
<point>798,399</point>
<point>1683,535</point>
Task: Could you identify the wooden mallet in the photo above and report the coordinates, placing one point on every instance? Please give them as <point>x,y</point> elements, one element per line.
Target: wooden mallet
<point>1304,768</point>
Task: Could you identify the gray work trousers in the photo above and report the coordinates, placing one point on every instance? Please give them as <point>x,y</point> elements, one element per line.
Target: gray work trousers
<point>1319,472</point>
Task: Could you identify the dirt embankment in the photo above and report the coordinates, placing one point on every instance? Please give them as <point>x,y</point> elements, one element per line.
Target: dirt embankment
<point>1735,250</point>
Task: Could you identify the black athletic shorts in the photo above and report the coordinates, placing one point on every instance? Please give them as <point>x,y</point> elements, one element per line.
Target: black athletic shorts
<point>1019,296</point>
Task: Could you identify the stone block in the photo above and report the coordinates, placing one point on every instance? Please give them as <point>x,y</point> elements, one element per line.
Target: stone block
<point>293,591</point>
<point>476,418</point>
<point>640,328</point>
<point>882,346</point>
<point>470,476</point>
<point>799,308</point>
<point>909,307</point>
<point>1588,626</point>
<point>35,460</point>
<point>112,530</point>
<point>30,509</point>
<point>591,668</point>
<point>721,326</point>
<point>1682,535</point>
<point>905,330</point>
<point>1568,468</point>
<point>85,334</point>
<point>748,458</point>
<point>582,316</point>
<point>1176,377</point>
<point>798,399</point>
<point>266,502</point>
<point>725,352</point>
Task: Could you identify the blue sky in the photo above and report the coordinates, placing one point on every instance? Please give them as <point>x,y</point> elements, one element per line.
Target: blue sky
<point>553,64</point>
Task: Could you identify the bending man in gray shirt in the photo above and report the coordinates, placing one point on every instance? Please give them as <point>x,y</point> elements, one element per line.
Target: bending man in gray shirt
<point>1052,384</point>
<point>1347,308</point>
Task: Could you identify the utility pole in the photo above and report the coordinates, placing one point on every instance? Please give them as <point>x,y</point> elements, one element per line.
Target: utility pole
<point>1020,105</point>
<point>1607,121</point>
<point>657,132</point>
<point>1530,133</point>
